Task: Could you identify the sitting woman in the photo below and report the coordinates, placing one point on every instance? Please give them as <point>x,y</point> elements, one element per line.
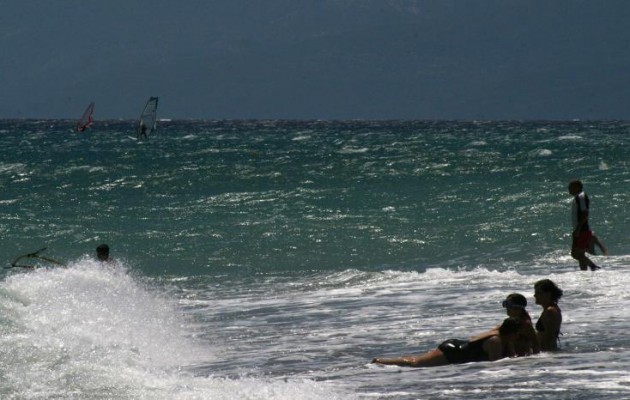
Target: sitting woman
<point>490,347</point>
<point>527,341</point>
<point>547,295</point>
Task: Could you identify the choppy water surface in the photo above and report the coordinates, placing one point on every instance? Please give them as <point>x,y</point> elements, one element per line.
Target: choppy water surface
<point>271,259</point>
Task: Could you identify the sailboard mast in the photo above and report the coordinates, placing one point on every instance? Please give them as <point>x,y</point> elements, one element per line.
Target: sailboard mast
<point>147,122</point>
<point>86,119</point>
<point>34,255</point>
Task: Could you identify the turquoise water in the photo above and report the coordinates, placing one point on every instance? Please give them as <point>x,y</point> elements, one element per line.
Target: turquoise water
<point>274,259</point>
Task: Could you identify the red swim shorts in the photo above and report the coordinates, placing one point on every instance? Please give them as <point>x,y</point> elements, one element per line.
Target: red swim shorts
<point>583,242</point>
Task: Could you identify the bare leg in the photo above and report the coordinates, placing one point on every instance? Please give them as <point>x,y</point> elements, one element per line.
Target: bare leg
<point>585,262</point>
<point>431,359</point>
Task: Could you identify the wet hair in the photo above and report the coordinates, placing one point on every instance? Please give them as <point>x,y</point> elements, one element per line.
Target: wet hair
<point>509,326</point>
<point>102,252</point>
<point>517,299</point>
<point>548,286</point>
<point>577,183</point>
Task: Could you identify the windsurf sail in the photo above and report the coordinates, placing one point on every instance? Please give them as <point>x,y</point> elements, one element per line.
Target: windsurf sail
<point>32,256</point>
<point>86,119</point>
<point>148,119</point>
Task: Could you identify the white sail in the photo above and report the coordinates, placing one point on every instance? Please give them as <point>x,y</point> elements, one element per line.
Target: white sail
<point>148,119</point>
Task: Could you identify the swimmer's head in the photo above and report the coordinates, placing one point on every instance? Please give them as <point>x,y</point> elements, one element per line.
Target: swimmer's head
<point>102,252</point>
<point>575,187</point>
<point>548,286</point>
<point>515,300</point>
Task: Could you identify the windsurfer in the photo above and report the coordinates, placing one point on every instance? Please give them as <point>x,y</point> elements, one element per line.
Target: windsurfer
<point>86,120</point>
<point>143,131</point>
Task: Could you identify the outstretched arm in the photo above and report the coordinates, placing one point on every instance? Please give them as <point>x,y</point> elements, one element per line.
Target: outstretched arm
<point>492,332</point>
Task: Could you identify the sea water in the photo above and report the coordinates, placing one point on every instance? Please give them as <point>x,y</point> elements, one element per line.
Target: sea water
<point>275,259</point>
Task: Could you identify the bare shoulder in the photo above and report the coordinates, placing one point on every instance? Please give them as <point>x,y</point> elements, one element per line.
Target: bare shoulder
<point>552,312</point>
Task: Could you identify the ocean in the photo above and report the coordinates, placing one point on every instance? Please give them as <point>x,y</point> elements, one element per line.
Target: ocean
<point>275,259</point>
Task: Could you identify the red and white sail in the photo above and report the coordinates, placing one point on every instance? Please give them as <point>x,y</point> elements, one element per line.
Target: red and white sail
<point>86,120</point>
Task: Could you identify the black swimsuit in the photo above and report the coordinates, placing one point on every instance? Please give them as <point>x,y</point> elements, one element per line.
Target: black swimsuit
<point>541,328</point>
<point>462,351</point>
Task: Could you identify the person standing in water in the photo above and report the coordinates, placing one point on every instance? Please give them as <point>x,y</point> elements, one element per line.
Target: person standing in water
<point>582,235</point>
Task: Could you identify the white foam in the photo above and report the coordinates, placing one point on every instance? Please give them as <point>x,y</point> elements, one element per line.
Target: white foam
<point>94,330</point>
